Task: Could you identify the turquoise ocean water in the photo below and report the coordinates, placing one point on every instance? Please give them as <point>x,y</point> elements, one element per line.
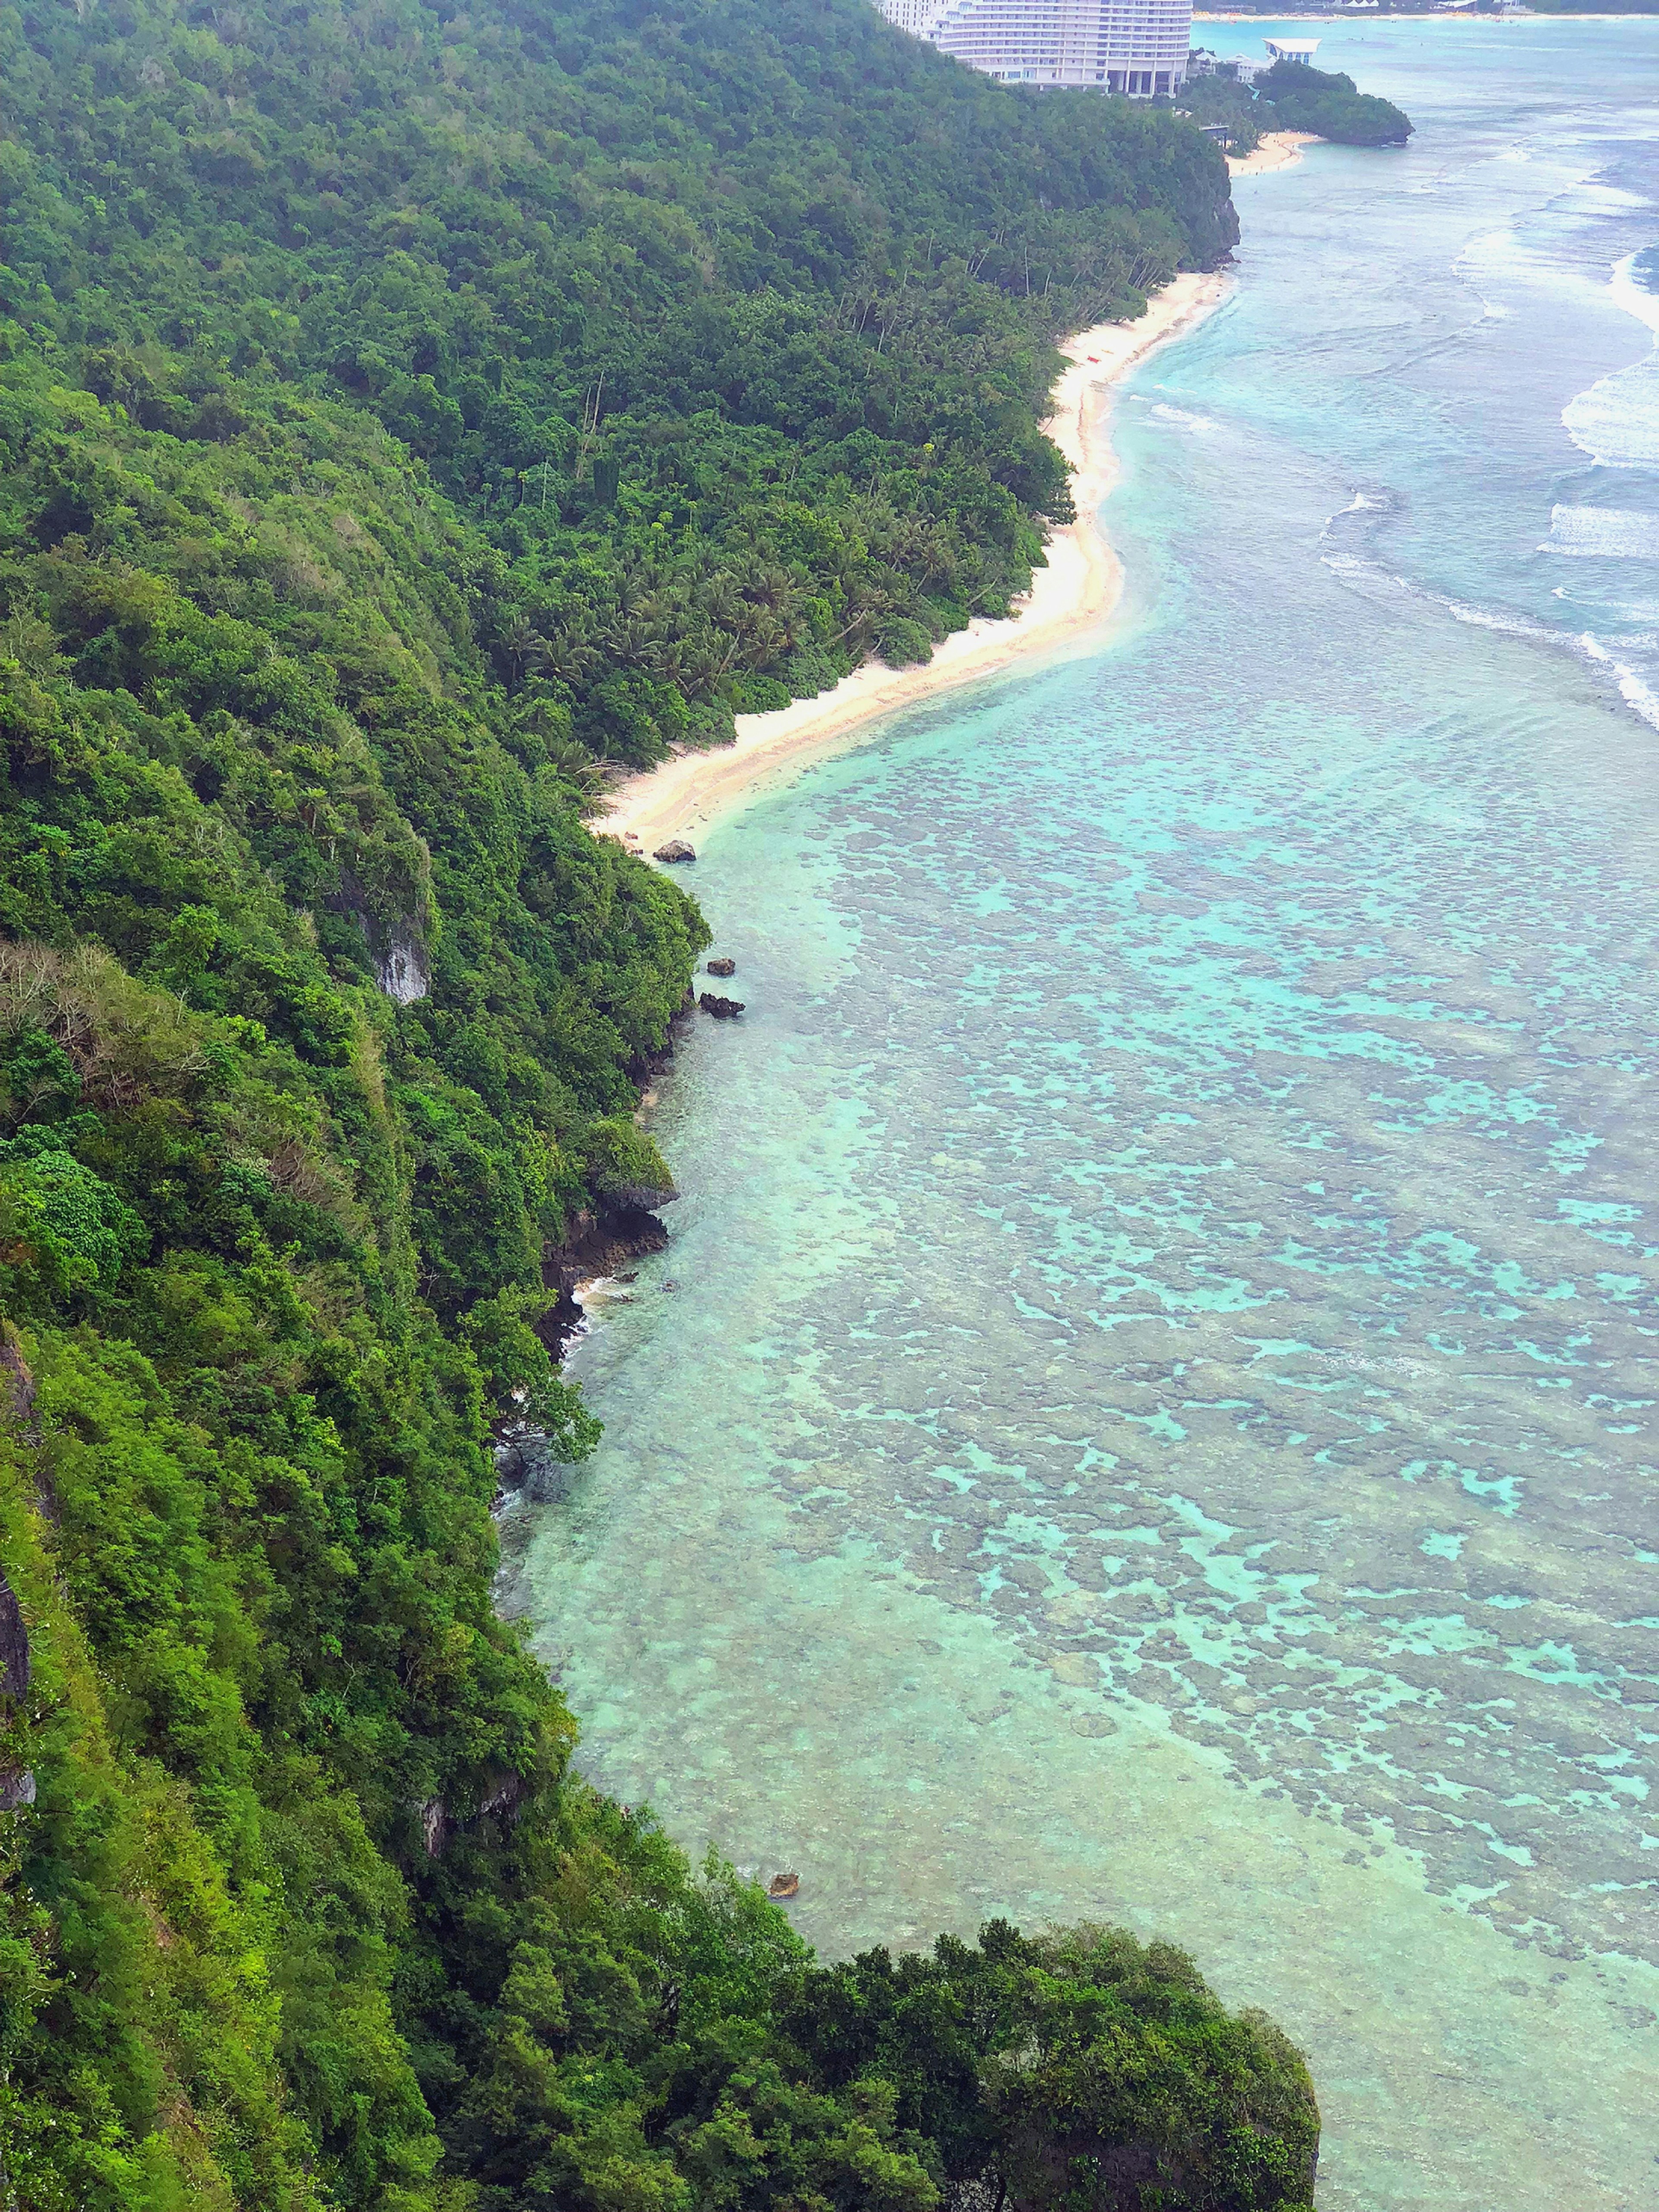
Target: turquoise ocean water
<point>1149,1408</point>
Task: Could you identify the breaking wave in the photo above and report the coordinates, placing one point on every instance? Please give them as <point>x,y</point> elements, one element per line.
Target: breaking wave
<point>1638,693</point>
<point>1603,533</point>
<point>1616,422</point>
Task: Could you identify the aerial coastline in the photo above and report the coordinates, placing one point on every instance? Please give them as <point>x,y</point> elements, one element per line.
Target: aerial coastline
<point>310,704</point>
<point>1069,598</point>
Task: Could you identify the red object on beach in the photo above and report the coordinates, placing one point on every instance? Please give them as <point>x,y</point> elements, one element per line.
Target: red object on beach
<point>1094,357</point>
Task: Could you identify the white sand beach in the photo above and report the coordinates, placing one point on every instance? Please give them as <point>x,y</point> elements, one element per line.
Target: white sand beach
<point>1278,149</point>
<point>1068,600</point>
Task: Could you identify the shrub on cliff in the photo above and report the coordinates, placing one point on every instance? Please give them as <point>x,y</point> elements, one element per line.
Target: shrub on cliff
<point>1079,2070</point>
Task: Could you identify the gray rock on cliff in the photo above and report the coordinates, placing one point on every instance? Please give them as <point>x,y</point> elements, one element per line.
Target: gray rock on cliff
<point>401,968</point>
<point>13,1646</point>
<point>16,1782</point>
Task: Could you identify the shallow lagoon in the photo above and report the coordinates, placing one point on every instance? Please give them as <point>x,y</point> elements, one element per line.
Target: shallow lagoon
<point>1154,1419</point>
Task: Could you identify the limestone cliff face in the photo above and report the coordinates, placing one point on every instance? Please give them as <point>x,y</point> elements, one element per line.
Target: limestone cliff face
<point>13,1646</point>
<point>397,921</point>
<point>16,1781</point>
<point>402,968</point>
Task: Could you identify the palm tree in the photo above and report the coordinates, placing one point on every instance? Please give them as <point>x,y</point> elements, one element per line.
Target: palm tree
<point>524,645</point>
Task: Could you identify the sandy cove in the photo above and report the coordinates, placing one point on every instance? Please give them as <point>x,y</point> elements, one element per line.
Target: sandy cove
<point>1067,602</point>
<point>1277,150</point>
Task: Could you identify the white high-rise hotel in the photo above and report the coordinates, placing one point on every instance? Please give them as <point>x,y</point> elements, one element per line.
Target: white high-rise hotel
<point>1133,47</point>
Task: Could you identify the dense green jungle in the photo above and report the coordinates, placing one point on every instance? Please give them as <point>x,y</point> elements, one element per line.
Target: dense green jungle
<point>405,414</point>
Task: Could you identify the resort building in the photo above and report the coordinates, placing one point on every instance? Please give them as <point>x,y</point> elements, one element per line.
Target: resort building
<point>1236,69</point>
<point>1240,69</point>
<point>1138,47</point>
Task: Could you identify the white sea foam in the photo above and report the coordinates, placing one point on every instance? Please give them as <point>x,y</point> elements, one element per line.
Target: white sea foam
<point>1633,689</point>
<point>1603,533</point>
<point>1355,565</point>
<point>1505,256</point>
<point>1592,197</point>
<point>1616,422</point>
<point>1500,257</point>
<point>1494,253</point>
<point>1361,504</point>
<point>1162,412</point>
<point>1373,572</point>
<point>1632,295</point>
<point>1636,692</point>
<point>1488,618</point>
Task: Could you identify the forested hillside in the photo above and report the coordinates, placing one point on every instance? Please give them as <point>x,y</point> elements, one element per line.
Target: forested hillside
<point>726,323</point>
<point>400,412</point>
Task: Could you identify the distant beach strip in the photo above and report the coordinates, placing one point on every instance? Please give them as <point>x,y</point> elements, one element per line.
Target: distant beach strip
<point>1277,150</point>
<point>1068,599</point>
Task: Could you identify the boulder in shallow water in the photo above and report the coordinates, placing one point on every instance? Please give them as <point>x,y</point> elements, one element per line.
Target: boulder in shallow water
<point>712,1003</point>
<point>675,850</point>
<point>723,966</point>
<point>784,1885</point>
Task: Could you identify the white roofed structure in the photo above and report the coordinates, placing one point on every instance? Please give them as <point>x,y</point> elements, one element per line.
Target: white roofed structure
<point>1300,50</point>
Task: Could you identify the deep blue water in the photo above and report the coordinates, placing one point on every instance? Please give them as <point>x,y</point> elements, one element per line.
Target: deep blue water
<point>1148,1412</point>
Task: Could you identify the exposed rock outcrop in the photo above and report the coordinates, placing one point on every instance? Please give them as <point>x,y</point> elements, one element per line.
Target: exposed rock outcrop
<point>526,1467</point>
<point>600,1243</point>
<point>636,1198</point>
<point>723,1009</point>
<point>15,1664</point>
<point>504,1793</point>
<point>17,1780</point>
<point>674,851</point>
<point>723,966</point>
<point>401,969</point>
<point>502,1799</point>
<point>16,1383</point>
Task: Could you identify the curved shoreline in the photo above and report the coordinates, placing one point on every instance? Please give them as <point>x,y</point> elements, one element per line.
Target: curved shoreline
<point>1068,600</point>
<point>1277,150</point>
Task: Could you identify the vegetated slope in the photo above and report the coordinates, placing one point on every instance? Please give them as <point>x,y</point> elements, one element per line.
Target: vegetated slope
<point>729,321</point>
<point>320,1017</point>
